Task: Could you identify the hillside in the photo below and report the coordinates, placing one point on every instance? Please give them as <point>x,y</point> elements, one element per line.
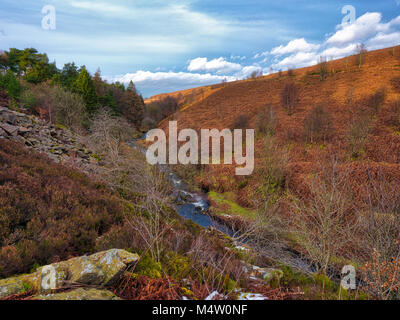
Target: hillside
<point>345,96</point>
<point>327,173</point>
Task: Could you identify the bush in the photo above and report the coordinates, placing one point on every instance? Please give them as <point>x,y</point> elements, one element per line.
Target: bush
<point>241,122</point>
<point>256,74</point>
<point>395,82</point>
<point>11,84</point>
<point>358,133</point>
<point>47,211</point>
<point>266,121</point>
<point>323,68</point>
<point>290,97</point>
<point>317,125</point>
<point>62,106</point>
<point>376,100</point>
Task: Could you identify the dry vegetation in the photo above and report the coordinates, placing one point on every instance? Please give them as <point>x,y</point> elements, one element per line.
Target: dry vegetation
<point>327,162</point>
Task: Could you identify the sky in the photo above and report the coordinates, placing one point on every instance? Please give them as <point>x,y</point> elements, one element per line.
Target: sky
<point>165,46</point>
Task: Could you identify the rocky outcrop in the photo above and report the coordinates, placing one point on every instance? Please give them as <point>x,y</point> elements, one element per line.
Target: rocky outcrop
<point>58,143</point>
<point>102,269</point>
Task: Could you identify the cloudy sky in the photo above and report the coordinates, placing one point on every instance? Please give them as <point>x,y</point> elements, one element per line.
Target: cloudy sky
<point>167,45</point>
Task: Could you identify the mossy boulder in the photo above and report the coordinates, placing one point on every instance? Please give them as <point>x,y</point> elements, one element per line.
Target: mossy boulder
<point>102,269</point>
<point>20,284</point>
<point>80,294</point>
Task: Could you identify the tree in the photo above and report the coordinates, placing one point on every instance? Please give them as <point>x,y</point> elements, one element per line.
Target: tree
<point>84,86</point>
<point>317,125</point>
<point>322,221</point>
<point>132,105</point>
<point>361,52</point>
<point>323,68</point>
<point>3,61</point>
<point>34,66</point>
<point>68,75</point>
<point>290,97</point>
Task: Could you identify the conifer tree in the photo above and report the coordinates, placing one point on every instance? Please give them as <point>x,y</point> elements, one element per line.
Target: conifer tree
<point>85,87</point>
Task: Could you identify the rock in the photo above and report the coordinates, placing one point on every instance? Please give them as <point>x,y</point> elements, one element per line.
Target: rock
<point>269,275</point>
<point>80,294</point>
<point>2,133</point>
<point>9,118</point>
<point>9,287</point>
<point>10,129</point>
<point>103,268</point>
<point>24,130</point>
<point>20,284</point>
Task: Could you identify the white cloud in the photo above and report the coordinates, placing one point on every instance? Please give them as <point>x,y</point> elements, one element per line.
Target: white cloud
<point>337,53</point>
<point>103,8</point>
<point>382,40</point>
<point>148,79</point>
<point>365,26</point>
<point>293,46</point>
<point>368,29</point>
<point>297,60</point>
<point>219,65</point>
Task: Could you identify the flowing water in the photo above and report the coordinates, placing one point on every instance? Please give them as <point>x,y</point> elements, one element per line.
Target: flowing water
<point>194,206</point>
<point>190,205</point>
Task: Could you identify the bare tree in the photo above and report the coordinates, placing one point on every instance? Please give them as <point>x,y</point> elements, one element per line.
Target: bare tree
<point>323,68</point>
<point>361,52</point>
<point>290,97</point>
<point>322,222</point>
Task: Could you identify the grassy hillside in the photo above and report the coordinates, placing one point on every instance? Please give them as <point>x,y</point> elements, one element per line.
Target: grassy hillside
<point>327,174</point>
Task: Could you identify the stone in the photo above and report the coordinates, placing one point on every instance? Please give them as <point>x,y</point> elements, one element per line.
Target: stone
<point>9,118</point>
<point>24,130</point>
<point>11,287</point>
<point>103,268</point>
<point>80,294</point>
<point>17,285</point>
<point>3,133</point>
<point>10,129</point>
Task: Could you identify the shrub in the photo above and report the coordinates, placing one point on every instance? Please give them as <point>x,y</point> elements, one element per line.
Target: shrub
<point>395,82</point>
<point>241,122</point>
<point>47,211</point>
<point>11,84</point>
<point>290,97</point>
<point>358,133</point>
<point>323,68</point>
<point>256,74</point>
<point>376,100</point>
<point>360,57</point>
<point>393,116</point>
<point>317,125</point>
<point>266,121</point>
<point>62,106</point>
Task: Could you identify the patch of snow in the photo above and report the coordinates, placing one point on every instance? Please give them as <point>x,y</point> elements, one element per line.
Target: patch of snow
<point>251,296</point>
<point>212,295</point>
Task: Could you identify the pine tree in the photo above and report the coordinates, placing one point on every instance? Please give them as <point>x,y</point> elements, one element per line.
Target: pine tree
<point>84,86</point>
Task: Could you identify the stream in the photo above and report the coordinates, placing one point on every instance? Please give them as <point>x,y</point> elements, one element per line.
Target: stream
<point>193,206</point>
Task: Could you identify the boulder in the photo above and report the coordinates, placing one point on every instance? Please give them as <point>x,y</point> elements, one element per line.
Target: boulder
<point>10,129</point>
<point>20,284</point>
<point>101,269</point>
<point>80,294</point>
<point>24,130</point>
<point>269,275</point>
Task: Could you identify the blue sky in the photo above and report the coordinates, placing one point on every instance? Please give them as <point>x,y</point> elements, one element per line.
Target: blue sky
<point>169,45</point>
